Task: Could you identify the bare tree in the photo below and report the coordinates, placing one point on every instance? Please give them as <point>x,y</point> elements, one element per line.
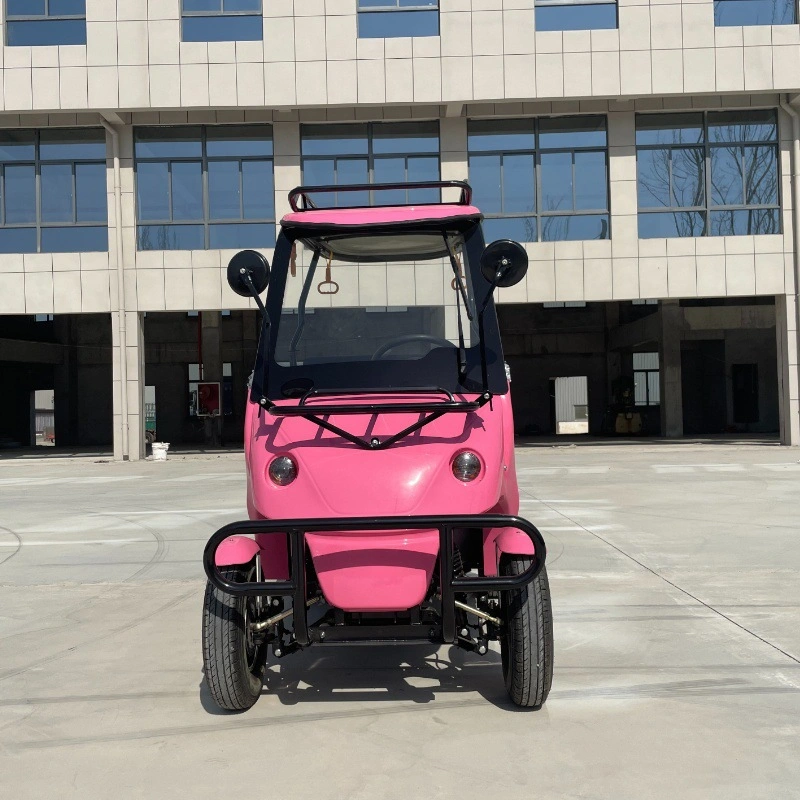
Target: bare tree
<point>740,174</point>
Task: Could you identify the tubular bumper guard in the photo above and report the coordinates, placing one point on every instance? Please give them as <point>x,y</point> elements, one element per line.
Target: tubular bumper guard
<point>296,529</point>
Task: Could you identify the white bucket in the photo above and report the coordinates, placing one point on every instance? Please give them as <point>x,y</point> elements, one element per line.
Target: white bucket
<point>160,451</point>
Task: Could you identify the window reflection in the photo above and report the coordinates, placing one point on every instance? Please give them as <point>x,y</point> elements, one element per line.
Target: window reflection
<point>221,20</point>
<point>708,174</point>
<point>385,152</point>
<point>36,23</point>
<point>205,188</point>
<point>567,15</point>
<point>383,19</point>
<point>69,211</point>
<point>541,179</point>
<point>754,12</point>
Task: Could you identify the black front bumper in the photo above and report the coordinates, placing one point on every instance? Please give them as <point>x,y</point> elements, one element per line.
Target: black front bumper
<point>296,588</point>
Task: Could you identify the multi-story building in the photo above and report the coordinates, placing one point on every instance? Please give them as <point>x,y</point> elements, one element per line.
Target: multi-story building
<point>646,153</point>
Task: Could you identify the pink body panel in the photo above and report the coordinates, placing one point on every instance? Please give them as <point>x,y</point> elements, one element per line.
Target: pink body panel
<point>380,571</point>
<point>378,215</point>
<point>236,550</point>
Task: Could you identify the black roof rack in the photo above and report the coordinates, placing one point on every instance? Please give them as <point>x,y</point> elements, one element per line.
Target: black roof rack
<point>302,193</point>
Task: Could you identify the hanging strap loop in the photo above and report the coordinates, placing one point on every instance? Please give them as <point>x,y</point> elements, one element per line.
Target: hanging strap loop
<point>328,286</point>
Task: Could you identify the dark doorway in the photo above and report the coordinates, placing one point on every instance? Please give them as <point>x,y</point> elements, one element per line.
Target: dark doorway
<point>703,385</point>
<point>744,378</point>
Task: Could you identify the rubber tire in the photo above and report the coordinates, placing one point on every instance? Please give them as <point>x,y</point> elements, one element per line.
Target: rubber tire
<point>526,646</point>
<point>233,686</point>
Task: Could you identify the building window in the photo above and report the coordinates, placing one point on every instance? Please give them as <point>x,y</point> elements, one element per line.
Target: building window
<point>575,15</point>
<point>45,22</point>
<point>383,19</point>
<point>381,152</point>
<point>647,379</point>
<point>712,174</point>
<point>755,12</point>
<point>565,304</point>
<point>541,180</point>
<point>53,191</point>
<point>205,188</point>
<point>222,20</point>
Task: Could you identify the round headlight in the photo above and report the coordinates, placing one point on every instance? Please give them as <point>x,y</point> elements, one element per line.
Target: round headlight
<point>466,466</point>
<point>282,470</point>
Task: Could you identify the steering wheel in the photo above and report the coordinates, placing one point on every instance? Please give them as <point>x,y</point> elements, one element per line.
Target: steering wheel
<point>408,339</point>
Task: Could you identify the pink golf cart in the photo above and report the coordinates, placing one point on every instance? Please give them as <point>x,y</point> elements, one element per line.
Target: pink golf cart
<point>381,485</point>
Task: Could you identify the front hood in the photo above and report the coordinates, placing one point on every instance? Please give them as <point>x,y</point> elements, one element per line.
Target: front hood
<point>338,478</point>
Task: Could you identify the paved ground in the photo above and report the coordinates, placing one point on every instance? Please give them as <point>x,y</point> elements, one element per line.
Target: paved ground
<point>674,571</point>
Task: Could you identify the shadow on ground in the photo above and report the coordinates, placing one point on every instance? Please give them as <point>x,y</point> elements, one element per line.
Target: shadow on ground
<point>400,673</point>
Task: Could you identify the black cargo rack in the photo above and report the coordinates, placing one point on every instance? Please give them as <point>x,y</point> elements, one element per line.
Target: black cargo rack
<point>302,193</point>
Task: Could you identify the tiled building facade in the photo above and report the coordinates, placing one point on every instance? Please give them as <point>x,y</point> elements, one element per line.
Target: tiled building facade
<point>672,125</point>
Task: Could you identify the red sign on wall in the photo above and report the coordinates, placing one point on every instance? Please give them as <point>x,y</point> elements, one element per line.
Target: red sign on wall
<point>209,398</point>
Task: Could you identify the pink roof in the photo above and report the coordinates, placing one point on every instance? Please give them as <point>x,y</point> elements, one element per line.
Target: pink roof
<point>379,215</point>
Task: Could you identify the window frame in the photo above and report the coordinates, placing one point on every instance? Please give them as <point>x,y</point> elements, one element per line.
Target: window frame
<point>393,6</point>
<point>647,371</point>
<point>370,154</point>
<point>204,159</point>
<point>38,223</point>
<point>222,13</point>
<point>538,215</point>
<point>707,146</point>
<point>556,3</point>
<point>45,17</point>
<point>754,25</point>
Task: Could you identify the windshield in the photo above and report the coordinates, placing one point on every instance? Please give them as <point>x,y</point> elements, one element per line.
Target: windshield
<point>347,320</point>
<point>329,323</point>
<point>353,333</point>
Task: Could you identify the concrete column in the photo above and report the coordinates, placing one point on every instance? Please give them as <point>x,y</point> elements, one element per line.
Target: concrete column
<point>670,361</point>
<point>65,385</point>
<point>454,167</point>
<point>453,146</point>
<point>788,372</point>
<point>126,322</point>
<point>288,175</point>
<point>613,358</point>
<point>211,368</point>
<point>134,388</point>
<point>623,282</point>
<point>136,383</point>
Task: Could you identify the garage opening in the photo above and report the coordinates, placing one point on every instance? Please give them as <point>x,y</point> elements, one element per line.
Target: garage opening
<point>185,352</point>
<point>56,383</point>
<point>702,367</point>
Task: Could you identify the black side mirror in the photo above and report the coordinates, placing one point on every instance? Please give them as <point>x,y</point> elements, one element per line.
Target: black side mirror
<point>504,263</point>
<point>248,273</point>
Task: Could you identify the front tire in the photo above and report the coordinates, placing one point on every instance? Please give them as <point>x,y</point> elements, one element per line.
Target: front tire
<point>526,645</point>
<point>230,656</point>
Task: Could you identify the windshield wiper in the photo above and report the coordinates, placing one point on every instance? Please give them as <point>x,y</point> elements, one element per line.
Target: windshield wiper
<point>312,392</point>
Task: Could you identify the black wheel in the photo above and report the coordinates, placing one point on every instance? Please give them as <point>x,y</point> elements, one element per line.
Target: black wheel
<point>230,655</point>
<point>526,646</point>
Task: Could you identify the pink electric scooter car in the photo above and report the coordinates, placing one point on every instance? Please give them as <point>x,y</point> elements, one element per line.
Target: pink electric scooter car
<point>381,485</point>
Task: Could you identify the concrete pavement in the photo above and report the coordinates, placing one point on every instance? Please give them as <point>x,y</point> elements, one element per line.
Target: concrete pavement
<point>674,572</point>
